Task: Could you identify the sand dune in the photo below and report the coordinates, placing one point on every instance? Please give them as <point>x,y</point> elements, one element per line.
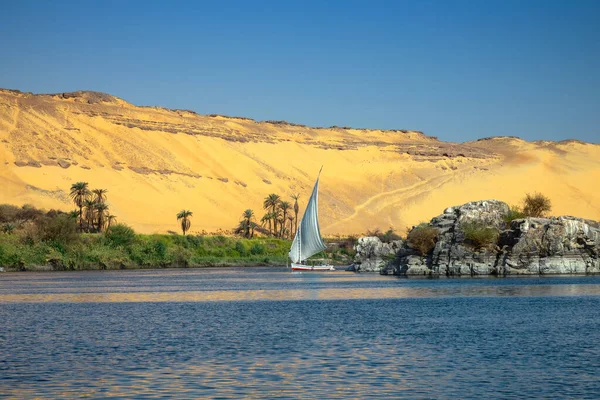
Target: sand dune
<point>155,161</point>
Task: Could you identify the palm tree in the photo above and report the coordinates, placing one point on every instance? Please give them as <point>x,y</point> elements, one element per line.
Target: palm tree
<point>110,219</point>
<point>248,217</point>
<point>79,193</point>
<point>90,213</point>
<point>73,214</point>
<point>272,202</point>
<point>101,212</point>
<point>295,197</point>
<point>291,232</point>
<point>284,206</point>
<point>266,219</point>
<point>100,195</point>
<point>184,216</point>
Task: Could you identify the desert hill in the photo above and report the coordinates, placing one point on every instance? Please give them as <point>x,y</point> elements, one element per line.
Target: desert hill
<point>156,161</point>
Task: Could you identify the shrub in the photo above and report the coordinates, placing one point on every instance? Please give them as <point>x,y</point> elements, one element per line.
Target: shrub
<point>349,243</point>
<point>8,227</point>
<point>422,238</point>
<point>241,249</point>
<point>389,236</point>
<point>257,249</point>
<point>536,205</point>
<point>386,237</point>
<point>29,213</point>
<point>119,235</point>
<point>149,250</point>
<point>479,234</point>
<point>514,213</point>
<point>8,213</point>
<point>61,229</point>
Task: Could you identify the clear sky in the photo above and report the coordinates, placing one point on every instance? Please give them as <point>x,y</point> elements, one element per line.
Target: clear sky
<point>459,70</point>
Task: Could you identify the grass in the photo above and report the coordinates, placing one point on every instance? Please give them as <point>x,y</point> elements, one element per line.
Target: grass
<point>480,235</point>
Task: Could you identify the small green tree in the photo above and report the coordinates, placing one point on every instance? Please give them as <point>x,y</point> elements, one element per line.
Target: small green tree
<point>79,193</point>
<point>119,235</point>
<point>536,205</point>
<point>423,238</point>
<point>184,218</point>
<point>284,206</point>
<point>271,202</point>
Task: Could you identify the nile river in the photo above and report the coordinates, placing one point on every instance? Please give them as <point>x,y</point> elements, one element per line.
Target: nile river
<point>269,333</point>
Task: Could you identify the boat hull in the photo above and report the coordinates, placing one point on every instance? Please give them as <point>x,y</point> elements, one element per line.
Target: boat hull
<point>301,267</point>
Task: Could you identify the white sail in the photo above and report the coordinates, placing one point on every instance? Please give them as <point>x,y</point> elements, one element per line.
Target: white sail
<point>307,241</point>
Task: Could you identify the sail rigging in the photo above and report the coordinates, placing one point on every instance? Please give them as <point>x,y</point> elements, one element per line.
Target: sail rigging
<point>308,241</point>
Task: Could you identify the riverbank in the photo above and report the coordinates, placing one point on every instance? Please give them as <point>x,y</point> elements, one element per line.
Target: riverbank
<point>110,251</point>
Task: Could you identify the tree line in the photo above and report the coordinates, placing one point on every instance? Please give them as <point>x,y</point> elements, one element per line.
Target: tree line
<point>92,209</point>
<point>277,221</point>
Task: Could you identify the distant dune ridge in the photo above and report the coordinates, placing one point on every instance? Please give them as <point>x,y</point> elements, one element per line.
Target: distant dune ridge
<point>156,161</point>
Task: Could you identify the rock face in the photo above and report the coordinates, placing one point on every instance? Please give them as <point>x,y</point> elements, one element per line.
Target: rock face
<point>372,254</point>
<point>452,255</point>
<point>557,245</point>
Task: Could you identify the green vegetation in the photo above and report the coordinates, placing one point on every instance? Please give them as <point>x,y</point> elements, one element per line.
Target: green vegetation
<point>90,238</point>
<point>536,205</point>
<point>515,212</point>
<point>277,221</point>
<point>386,237</point>
<point>422,238</point>
<point>183,217</point>
<point>33,239</point>
<point>480,235</point>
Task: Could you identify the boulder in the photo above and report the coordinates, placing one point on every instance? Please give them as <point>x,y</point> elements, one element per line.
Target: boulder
<point>557,245</point>
<point>372,254</point>
<point>452,255</point>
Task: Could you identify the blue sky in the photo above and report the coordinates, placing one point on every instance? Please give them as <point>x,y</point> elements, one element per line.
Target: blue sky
<point>459,70</point>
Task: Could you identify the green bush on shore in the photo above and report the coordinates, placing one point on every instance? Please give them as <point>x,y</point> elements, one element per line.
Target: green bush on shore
<point>423,238</point>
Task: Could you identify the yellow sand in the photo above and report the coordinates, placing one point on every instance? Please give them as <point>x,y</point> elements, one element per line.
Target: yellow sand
<point>155,162</point>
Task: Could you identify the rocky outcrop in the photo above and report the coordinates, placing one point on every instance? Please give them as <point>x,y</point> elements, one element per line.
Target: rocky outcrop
<point>556,245</point>
<point>372,254</point>
<point>453,255</point>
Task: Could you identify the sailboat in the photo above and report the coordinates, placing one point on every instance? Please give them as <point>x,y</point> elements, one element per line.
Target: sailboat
<point>308,241</point>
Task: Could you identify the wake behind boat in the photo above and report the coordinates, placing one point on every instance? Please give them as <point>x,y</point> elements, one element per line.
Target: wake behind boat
<point>308,241</point>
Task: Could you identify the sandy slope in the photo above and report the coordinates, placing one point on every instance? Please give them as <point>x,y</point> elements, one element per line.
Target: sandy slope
<point>156,161</point>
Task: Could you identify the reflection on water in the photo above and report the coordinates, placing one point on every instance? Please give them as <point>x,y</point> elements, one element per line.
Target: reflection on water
<point>322,293</point>
<point>264,333</point>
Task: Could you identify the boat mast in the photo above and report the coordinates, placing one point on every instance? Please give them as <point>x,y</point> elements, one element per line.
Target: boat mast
<point>299,233</point>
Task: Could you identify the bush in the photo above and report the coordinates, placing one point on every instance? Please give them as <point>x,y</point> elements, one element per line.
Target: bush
<point>514,213</point>
<point>257,249</point>
<point>8,213</point>
<point>536,205</point>
<point>241,249</point>
<point>422,238</point>
<point>61,229</point>
<point>150,250</point>
<point>348,243</point>
<point>386,237</point>
<point>389,236</point>
<point>119,235</point>
<point>479,234</point>
<point>8,227</point>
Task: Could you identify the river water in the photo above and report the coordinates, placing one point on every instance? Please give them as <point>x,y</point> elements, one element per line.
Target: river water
<point>269,333</point>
